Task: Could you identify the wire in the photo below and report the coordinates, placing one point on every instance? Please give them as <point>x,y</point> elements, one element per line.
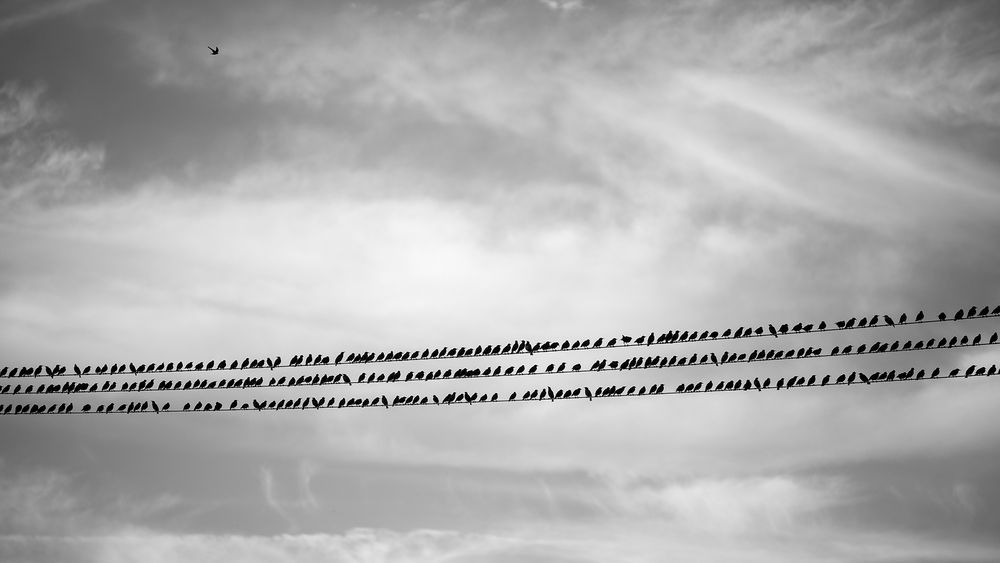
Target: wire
<point>392,356</point>
<point>381,401</point>
<point>640,363</point>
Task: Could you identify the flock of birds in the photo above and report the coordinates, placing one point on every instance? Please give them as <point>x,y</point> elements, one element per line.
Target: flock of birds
<point>37,385</point>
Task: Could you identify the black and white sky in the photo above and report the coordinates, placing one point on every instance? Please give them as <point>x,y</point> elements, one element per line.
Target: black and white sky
<point>411,174</point>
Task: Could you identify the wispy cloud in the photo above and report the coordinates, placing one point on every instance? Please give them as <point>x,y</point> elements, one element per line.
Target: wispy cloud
<point>21,13</point>
<point>38,163</point>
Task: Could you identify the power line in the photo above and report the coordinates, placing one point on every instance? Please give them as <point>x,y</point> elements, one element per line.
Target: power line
<point>454,398</point>
<point>513,348</point>
<point>635,363</point>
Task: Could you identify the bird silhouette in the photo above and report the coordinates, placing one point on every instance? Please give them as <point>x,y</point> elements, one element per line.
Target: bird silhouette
<point>214,50</point>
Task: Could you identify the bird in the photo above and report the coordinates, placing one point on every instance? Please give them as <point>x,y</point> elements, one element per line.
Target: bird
<point>215,50</point>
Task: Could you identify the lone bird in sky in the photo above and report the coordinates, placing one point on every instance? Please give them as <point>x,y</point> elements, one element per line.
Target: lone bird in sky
<point>214,50</point>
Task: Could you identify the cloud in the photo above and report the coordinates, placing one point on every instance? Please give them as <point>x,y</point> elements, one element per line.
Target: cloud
<point>39,163</point>
<point>460,173</point>
<point>357,545</point>
<point>267,484</point>
<point>780,517</point>
<point>562,5</point>
<point>20,14</point>
<point>33,502</point>
<point>769,505</point>
<point>636,542</point>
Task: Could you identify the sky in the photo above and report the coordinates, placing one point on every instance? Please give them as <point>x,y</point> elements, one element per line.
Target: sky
<point>378,175</point>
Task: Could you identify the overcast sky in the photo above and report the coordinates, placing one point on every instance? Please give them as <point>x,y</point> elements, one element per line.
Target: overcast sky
<point>404,175</point>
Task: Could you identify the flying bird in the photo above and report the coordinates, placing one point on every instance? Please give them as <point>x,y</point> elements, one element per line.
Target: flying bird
<point>214,50</point>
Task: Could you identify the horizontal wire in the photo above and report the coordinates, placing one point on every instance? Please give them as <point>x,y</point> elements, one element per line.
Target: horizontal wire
<point>381,401</point>
<point>343,379</point>
<point>38,371</point>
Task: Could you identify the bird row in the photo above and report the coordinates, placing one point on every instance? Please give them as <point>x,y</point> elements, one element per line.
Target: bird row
<point>516,347</point>
<point>465,397</point>
<point>600,365</point>
<point>842,379</point>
